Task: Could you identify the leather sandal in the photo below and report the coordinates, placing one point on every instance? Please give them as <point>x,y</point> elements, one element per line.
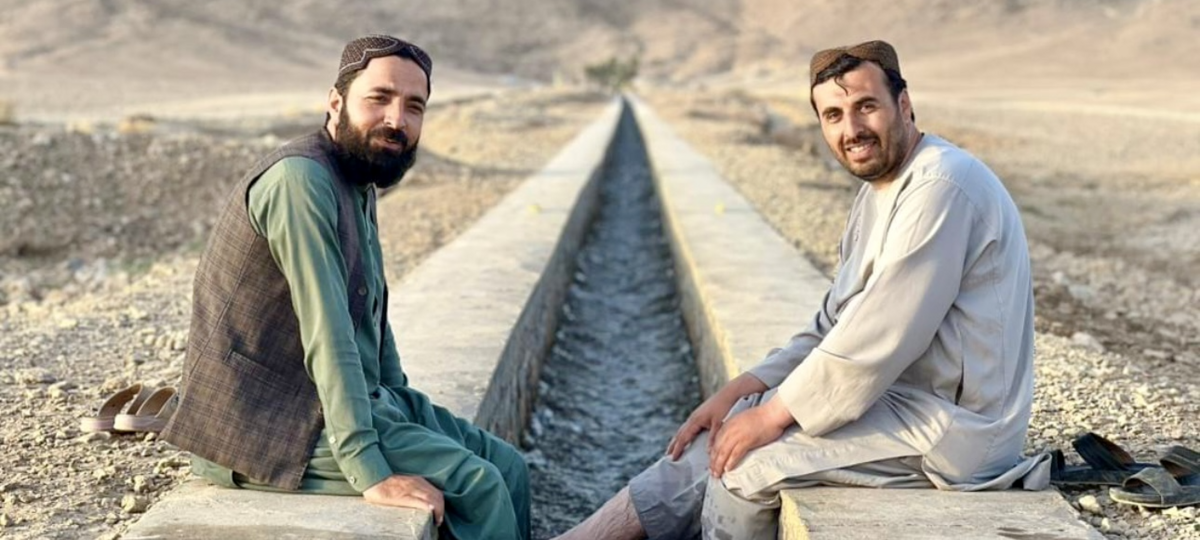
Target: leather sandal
<point>1157,488</point>
<point>1106,464</point>
<point>1180,461</point>
<point>153,415</point>
<point>129,398</point>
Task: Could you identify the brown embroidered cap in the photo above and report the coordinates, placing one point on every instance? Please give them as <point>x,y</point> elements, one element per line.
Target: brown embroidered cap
<point>362,50</point>
<point>879,52</point>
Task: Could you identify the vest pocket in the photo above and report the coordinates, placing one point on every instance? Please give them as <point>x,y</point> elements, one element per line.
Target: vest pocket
<point>247,367</point>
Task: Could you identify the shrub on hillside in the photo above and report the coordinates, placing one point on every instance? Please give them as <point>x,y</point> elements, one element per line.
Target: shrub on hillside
<point>612,74</point>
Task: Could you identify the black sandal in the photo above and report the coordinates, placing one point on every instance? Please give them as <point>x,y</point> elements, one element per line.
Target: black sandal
<point>1157,488</point>
<point>1106,464</point>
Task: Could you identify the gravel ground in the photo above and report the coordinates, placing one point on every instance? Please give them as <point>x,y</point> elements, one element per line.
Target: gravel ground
<point>94,285</point>
<point>1114,253</point>
<point>96,267</point>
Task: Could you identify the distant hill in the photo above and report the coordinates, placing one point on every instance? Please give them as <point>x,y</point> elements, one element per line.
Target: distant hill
<point>87,51</point>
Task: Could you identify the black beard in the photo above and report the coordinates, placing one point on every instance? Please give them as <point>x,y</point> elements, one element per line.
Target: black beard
<point>362,165</point>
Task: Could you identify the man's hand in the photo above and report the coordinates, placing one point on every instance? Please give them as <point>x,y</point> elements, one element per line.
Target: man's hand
<point>712,412</point>
<point>408,492</point>
<point>746,431</point>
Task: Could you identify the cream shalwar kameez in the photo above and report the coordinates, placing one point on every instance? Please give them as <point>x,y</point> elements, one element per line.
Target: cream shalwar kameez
<point>916,371</point>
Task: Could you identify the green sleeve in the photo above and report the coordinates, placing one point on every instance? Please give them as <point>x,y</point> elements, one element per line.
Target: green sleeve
<point>294,206</point>
<point>391,374</point>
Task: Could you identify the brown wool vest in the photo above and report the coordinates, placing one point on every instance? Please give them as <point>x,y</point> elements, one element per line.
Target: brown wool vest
<point>247,402</point>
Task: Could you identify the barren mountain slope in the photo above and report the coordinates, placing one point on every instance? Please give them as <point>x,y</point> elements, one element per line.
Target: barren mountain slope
<point>81,54</point>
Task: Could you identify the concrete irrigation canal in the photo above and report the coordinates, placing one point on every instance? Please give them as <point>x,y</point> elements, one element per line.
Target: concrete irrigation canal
<point>620,377</point>
<point>582,317</point>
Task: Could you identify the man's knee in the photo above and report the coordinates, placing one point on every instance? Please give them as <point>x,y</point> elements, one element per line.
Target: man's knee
<point>511,464</point>
<point>729,516</point>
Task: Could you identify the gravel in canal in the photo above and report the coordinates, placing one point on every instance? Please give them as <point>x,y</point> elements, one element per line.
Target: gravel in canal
<point>621,376</point>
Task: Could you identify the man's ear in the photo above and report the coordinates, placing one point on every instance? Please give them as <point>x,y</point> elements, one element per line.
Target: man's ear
<point>334,105</point>
<point>906,110</point>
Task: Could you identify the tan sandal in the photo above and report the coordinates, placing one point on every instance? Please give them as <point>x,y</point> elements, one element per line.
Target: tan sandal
<point>152,415</point>
<point>128,399</point>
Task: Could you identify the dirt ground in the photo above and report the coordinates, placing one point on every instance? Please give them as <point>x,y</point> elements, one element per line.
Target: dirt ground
<point>100,246</point>
<point>97,261</point>
<point>1111,206</point>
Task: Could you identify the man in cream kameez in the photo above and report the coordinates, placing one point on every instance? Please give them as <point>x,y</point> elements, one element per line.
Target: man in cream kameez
<point>916,371</point>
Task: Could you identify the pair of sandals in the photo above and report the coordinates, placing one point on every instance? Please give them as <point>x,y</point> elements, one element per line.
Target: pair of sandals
<point>133,409</point>
<point>1173,481</point>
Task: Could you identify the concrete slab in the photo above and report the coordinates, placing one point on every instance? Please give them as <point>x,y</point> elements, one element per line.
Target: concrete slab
<point>920,514</point>
<point>472,322</point>
<point>744,291</point>
<point>198,511</point>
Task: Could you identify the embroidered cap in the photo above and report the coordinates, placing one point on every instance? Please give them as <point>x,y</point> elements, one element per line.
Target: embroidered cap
<point>877,51</point>
<point>362,50</point>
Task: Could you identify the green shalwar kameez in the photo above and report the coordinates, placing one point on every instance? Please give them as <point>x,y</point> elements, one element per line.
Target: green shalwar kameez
<point>375,425</point>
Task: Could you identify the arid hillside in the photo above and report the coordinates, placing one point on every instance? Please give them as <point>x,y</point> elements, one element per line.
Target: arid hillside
<point>59,57</point>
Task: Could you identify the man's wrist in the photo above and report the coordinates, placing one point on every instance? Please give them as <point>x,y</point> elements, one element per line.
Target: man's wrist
<point>746,384</point>
<point>777,413</point>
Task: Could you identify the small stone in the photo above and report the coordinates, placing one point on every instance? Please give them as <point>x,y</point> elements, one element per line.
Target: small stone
<point>111,518</point>
<point>106,472</point>
<point>1087,341</point>
<point>5,521</point>
<point>35,376</point>
<point>1082,293</point>
<point>1089,504</point>
<point>1050,433</point>
<point>1113,527</point>
<point>133,504</point>
<point>139,484</point>
<point>1156,354</point>
<point>67,324</point>
<point>64,385</point>
<point>1181,514</point>
<point>94,437</point>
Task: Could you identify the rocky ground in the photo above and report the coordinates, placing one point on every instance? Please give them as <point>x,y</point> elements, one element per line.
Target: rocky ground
<point>102,227</point>
<point>100,233</point>
<point>1111,207</point>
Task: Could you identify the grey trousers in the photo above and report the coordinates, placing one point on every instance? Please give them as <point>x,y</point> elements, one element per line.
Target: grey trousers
<point>681,499</point>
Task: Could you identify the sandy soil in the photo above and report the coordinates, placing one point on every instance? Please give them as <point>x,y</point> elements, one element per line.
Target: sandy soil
<point>95,299</point>
<point>1112,238</point>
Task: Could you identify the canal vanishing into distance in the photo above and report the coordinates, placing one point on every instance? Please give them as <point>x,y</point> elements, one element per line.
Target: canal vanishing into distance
<point>621,377</point>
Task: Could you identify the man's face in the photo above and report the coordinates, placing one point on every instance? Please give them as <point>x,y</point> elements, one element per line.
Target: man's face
<point>380,117</point>
<point>869,133</point>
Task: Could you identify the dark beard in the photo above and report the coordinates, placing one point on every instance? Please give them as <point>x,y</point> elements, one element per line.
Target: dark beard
<point>362,165</point>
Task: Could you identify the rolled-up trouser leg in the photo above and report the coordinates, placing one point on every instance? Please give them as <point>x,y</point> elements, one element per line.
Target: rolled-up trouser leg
<point>668,495</point>
<point>727,516</point>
